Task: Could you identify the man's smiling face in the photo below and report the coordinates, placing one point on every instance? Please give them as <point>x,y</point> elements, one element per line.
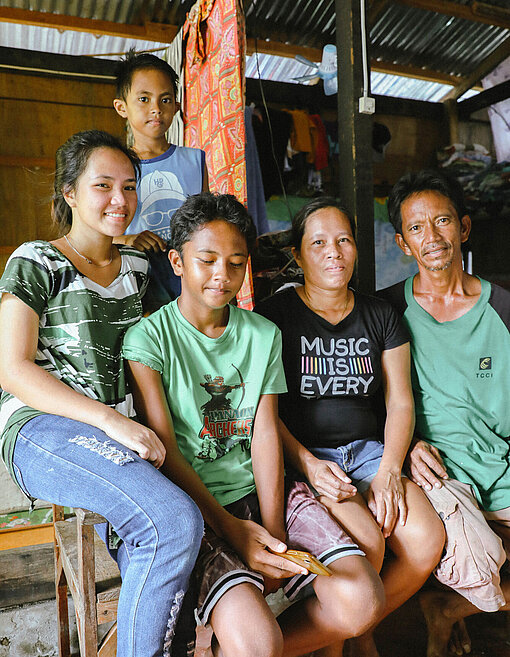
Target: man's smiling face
<point>432,232</point>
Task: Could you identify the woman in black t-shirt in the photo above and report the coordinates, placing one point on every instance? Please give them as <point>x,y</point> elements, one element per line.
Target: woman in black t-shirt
<point>342,352</point>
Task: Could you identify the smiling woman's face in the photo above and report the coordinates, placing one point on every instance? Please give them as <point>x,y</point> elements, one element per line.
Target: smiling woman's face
<point>328,250</point>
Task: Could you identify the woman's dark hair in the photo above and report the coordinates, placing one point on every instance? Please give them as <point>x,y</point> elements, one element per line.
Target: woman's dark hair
<point>300,218</point>
<point>135,61</point>
<point>426,180</point>
<point>200,209</point>
<point>71,160</point>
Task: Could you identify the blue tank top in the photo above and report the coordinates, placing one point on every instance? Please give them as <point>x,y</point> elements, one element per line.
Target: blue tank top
<point>165,183</point>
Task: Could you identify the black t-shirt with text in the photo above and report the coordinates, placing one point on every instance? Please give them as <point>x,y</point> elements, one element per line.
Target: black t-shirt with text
<point>333,371</point>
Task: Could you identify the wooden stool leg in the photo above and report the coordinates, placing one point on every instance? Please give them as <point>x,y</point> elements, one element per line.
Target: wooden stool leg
<point>109,643</point>
<point>87,618</point>
<point>64,648</point>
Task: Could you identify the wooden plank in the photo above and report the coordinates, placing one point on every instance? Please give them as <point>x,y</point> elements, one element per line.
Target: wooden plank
<point>479,12</point>
<point>18,537</point>
<point>300,95</point>
<point>108,646</point>
<point>78,67</point>
<point>26,575</point>
<point>415,72</point>
<point>86,599</point>
<point>89,517</point>
<point>485,99</point>
<point>28,162</point>
<point>107,575</point>
<point>159,32</point>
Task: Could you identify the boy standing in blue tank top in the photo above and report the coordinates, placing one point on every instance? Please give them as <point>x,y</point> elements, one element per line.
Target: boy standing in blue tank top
<point>146,97</point>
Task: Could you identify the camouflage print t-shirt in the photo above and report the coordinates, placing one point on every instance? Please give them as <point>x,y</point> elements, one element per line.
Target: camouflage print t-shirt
<point>81,326</point>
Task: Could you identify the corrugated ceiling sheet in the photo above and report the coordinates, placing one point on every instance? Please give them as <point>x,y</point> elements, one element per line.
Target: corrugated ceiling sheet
<point>400,35</point>
<point>455,46</point>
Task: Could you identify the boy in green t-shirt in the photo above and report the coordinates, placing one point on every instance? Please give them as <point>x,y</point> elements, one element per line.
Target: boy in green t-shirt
<point>206,378</point>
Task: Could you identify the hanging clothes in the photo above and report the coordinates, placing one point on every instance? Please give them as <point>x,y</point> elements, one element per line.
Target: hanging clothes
<point>272,136</point>
<point>213,103</point>
<point>254,185</point>
<point>321,144</point>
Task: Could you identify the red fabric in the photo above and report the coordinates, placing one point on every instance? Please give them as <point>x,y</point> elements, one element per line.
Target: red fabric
<point>214,102</point>
<point>322,144</point>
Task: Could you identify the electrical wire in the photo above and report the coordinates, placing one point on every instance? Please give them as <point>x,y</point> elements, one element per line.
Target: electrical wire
<point>364,48</point>
<point>264,103</point>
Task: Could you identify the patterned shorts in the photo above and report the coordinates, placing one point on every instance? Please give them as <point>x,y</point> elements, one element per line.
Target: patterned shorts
<point>309,527</point>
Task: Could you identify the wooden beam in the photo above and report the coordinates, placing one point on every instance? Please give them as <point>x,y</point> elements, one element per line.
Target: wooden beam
<point>483,69</point>
<point>487,98</point>
<point>376,8</point>
<point>301,95</point>
<point>415,72</point>
<point>479,12</point>
<point>159,32</point>
<point>315,55</point>
<point>355,183</point>
<point>24,536</point>
<point>28,162</point>
<point>282,49</point>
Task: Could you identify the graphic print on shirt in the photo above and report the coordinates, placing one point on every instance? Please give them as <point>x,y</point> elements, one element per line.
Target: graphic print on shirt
<point>224,427</point>
<point>330,367</point>
<point>160,194</point>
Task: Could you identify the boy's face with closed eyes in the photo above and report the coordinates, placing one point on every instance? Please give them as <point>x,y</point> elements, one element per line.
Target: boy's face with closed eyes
<point>212,265</point>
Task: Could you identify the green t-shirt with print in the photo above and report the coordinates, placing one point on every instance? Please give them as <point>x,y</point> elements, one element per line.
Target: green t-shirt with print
<point>81,325</point>
<point>213,387</point>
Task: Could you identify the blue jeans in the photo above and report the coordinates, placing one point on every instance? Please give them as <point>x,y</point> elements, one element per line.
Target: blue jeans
<point>359,459</point>
<point>74,464</point>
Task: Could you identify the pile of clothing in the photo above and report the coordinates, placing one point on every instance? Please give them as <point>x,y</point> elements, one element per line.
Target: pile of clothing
<point>486,183</point>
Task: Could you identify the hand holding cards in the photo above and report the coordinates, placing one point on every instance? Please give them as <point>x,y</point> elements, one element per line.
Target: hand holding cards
<point>306,560</point>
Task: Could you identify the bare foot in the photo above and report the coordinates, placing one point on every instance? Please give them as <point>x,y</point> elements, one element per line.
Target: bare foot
<point>460,641</point>
<point>330,651</point>
<point>434,605</point>
<point>363,646</point>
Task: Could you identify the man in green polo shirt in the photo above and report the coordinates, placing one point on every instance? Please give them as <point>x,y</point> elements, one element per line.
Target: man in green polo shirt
<point>460,342</point>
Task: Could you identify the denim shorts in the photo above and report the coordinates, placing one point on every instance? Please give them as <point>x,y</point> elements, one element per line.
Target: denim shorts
<point>359,460</point>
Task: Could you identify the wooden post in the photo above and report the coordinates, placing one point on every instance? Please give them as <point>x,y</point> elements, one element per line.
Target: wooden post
<point>87,619</point>
<point>452,114</point>
<point>355,138</point>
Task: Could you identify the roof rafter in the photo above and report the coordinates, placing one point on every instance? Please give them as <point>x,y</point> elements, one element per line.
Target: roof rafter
<point>315,55</point>
<point>158,32</point>
<point>486,67</point>
<point>479,12</point>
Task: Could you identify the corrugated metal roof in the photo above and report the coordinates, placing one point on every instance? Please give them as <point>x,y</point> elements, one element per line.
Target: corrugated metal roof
<point>69,42</point>
<point>455,46</point>
<point>400,34</point>
<point>284,69</point>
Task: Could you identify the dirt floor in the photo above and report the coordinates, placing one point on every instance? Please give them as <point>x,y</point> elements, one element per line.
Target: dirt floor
<point>403,634</point>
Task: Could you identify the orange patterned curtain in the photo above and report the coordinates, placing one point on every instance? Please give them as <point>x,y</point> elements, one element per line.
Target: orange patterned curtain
<point>214,99</point>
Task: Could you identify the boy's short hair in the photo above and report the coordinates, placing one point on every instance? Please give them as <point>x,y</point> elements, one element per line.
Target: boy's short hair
<point>135,61</point>
<point>426,180</point>
<point>200,209</point>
